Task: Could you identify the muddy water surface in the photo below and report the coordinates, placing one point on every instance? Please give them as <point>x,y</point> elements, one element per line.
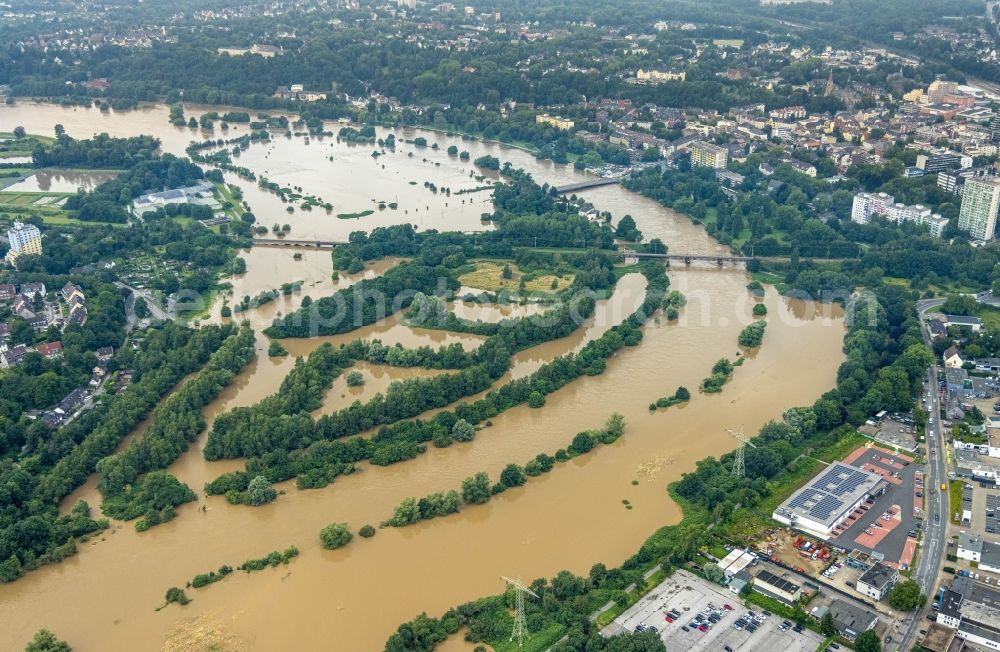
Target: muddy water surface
<point>353,598</point>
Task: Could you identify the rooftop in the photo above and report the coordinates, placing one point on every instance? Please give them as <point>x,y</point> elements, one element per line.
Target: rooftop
<point>938,638</point>
<point>963,320</point>
<point>849,616</point>
<point>879,575</point>
<point>830,493</point>
<point>777,582</point>
<point>980,602</point>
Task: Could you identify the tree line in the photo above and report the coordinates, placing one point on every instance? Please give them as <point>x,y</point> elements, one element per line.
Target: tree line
<point>131,482</point>
<point>477,489</point>
<point>31,531</point>
<point>283,421</point>
<point>321,462</point>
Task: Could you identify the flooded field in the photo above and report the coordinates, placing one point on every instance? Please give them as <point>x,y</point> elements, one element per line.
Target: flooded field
<point>59,181</point>
<point>353,598</point>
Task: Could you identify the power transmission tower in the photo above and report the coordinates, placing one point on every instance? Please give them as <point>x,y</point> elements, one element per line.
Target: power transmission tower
<point>520,622</point>
<point>739,463</point>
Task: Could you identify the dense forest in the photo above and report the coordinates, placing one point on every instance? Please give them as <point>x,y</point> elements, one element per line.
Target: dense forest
<point>31,531</point>
<point>129,487</point>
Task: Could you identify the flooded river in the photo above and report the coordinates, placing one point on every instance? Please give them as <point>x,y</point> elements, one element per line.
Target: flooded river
<point>353,598</point>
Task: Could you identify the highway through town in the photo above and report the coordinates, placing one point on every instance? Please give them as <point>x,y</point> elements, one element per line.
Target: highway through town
<point>936,503</point>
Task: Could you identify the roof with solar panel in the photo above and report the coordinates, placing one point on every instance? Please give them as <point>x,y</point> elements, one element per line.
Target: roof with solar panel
<point>830,493</point>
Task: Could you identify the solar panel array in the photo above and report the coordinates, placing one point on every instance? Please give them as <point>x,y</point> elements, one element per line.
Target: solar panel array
<point>777,582</point>
<point>826,495</point>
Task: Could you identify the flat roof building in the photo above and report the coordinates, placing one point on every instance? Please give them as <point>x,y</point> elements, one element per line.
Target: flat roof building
<point>24,239</point>
<point>980,201</point>
<point>973,609</point>
<point>827,501</point>
<point>984,553</point>
<point>707,155</point>
<point>776,587</point>
<point>877,581</point>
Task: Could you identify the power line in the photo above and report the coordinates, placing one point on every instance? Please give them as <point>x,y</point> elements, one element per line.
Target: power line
<point>739,462</point>
<point>520,621</point>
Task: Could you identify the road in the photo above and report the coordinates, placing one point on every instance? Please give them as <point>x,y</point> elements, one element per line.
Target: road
<point>154,309</point>
<point>932,553</point>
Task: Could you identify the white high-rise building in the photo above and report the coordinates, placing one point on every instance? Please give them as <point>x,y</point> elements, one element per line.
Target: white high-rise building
<point>24,239</point>
<point>867,204</point>
<point>980,201</point>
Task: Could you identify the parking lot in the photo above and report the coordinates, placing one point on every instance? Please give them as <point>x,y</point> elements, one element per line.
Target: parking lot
<point>985,508</point>
<point>886,525</point>
<point>689,597</point>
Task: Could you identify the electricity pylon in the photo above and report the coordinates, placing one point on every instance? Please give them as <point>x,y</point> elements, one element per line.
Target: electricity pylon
<point>520,623</point>
<point>739,464</point>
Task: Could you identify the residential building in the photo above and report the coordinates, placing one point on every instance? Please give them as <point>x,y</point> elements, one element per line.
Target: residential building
<point>707,155</point>
<point>13,356</point>
<point>105,353</point>
<point>826,502</point>
<point>867,204</point>
<point>72,402</point>
<point>851,620</point>
<point>77,315</point>
<point>939,88</point>
<point>953,181</point>
<point>788,112</point>
<point>973,610</point>
<point>802,167</point>
<point>24,239</point>
<point>554,121</point>
<point>7,291</point>
<point>953,358</point>
<point>71,290</point>
<point>657,76</point>
<point>29,290</point>
<point>942,161</point>
<point>980,201</point>
<point>50,350</point>
<point>729,179</point>
<point>877,581</point>
<point>957,380</point>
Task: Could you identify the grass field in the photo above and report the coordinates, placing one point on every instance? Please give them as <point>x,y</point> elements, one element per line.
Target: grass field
<point>488,276</point>
<point>955,499</point>
<point>535,642</point>
<point>23,203</point>
<point>45,140</point>
<point>948,288</point>
<point>990,316</point>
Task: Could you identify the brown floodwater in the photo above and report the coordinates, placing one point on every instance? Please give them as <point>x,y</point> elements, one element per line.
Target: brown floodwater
<point>60,181</point>
<point>353,598</point>
<point>269,267</point>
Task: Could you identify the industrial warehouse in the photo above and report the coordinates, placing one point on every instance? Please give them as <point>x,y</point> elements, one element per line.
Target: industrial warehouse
<point>827,501</point>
